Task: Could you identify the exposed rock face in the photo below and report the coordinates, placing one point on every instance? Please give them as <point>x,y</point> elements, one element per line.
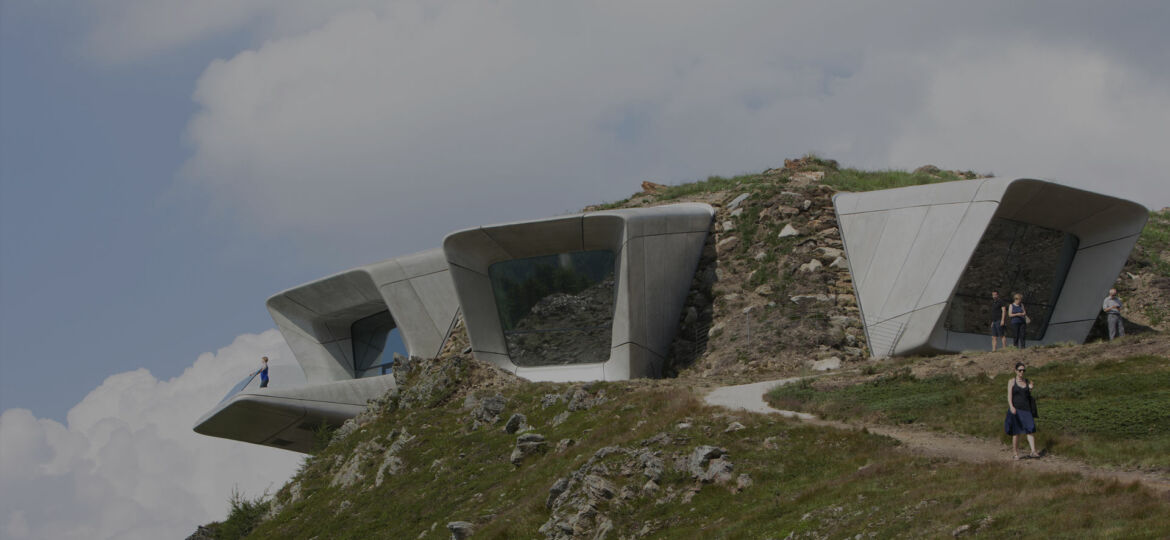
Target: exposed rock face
<point>526,445</point>
<point>590,309</point>
<point>516,423</point>
<point>391,463</point>
<point>486,410</point>
<point>651,187</point>
<point>579,501</point>
<point>350,472</point>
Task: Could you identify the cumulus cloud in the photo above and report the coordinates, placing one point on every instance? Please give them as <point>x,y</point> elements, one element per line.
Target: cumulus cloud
<point>455,115</point>
<point>125,31</point>
<point>1028,108</point>
<point>126,463</point>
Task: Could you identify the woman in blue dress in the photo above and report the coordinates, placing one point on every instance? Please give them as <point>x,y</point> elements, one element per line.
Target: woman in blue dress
<point>1019,417</point>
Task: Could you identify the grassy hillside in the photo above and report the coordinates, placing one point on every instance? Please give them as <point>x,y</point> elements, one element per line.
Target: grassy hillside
<point>1108,408</point>
<point>627,452</point>
<point>648,459</point>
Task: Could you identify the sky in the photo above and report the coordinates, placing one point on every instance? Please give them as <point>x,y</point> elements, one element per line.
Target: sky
<point>166,165</point>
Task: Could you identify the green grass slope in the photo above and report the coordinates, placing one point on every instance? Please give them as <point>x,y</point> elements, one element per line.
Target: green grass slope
<point>784,478</point>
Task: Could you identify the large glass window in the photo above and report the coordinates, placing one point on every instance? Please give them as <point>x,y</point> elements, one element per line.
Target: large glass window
<point>556,309</point>
<point>375,340</point>
<point>1012,257</point>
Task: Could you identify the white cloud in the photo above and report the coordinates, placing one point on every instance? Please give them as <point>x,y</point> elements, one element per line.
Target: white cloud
<point>128,465</point>
<point>1027,108</point>
<point>446,117</point>
<point>126,31</point>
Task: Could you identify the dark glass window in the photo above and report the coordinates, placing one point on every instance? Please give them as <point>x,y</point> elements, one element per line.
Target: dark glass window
<point>556,309</point>
<point>375,340</point>
<point>1012,257</point>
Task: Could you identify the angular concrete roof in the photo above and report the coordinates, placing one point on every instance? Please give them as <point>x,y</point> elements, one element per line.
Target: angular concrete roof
<point>656,252</point>
<point>908,247</point>
<point>315,320</point>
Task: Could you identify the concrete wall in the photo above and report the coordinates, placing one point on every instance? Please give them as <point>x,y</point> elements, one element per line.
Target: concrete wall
<point>656,252</point>
<point>908,247</point>
<point>315,318</point>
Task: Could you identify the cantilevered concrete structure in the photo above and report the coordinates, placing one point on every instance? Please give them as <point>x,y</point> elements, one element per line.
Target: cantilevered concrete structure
<point>924,259</point>
<point>593,296</point>
<point>341,329</point>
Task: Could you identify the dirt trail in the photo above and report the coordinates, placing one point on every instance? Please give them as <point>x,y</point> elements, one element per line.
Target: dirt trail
<point>929,443</point>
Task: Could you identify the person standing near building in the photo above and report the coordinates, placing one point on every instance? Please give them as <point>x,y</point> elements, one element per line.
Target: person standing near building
<point>1112,308</point>
<point>998,318</point>
<point>1019,319</point>
<point>263,372</point>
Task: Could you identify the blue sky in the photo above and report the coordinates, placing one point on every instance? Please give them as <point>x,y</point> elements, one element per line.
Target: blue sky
<point>104,268</point>
<point>165,166</point>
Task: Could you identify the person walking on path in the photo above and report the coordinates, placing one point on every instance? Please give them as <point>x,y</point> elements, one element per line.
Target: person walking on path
<point>263,371</point>
<point>1019,319</point>
<point>1112,308</point>
<point>1019,418</point>
<point>998,318</point>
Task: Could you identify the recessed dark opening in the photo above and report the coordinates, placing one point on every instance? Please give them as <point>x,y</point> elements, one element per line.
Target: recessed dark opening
<point>556,309</point>
<point>1012,257</point>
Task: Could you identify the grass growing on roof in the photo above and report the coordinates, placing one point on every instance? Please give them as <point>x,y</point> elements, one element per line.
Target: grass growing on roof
<point>1114,412</point>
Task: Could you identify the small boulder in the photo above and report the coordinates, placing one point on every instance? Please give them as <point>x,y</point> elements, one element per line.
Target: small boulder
<point>828,253</point>
<point>827,364</point>
<point>736,201</point>
<point>701,456</point>
<point>727,244</point>
<point>651,187</point>
<point>728,226</point>
<point>811,266</point>
<point>460,529</point>
<point>516,423</point>
<point>788,230</point>
<point>526,445</point>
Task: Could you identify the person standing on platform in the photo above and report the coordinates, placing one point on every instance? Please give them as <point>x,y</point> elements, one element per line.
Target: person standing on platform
<point>263,372</point>
<point>1019,317</point>
<point>998,318</point>
<point>1112,308</point>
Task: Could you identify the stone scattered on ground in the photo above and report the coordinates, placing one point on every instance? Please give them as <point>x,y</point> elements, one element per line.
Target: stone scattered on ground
<point>460,529</point>
<point>827,364</point>
<point>527,445</point>
<point>516,422</point>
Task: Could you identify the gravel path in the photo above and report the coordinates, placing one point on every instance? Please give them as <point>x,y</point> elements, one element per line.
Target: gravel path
<point>750,397</point>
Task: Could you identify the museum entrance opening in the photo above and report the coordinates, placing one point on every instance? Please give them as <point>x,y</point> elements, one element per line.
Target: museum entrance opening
<point>556,309</point>
<point>1012,257</point>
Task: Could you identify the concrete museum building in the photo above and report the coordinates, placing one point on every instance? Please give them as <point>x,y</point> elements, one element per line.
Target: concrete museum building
<point>598,296</point>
